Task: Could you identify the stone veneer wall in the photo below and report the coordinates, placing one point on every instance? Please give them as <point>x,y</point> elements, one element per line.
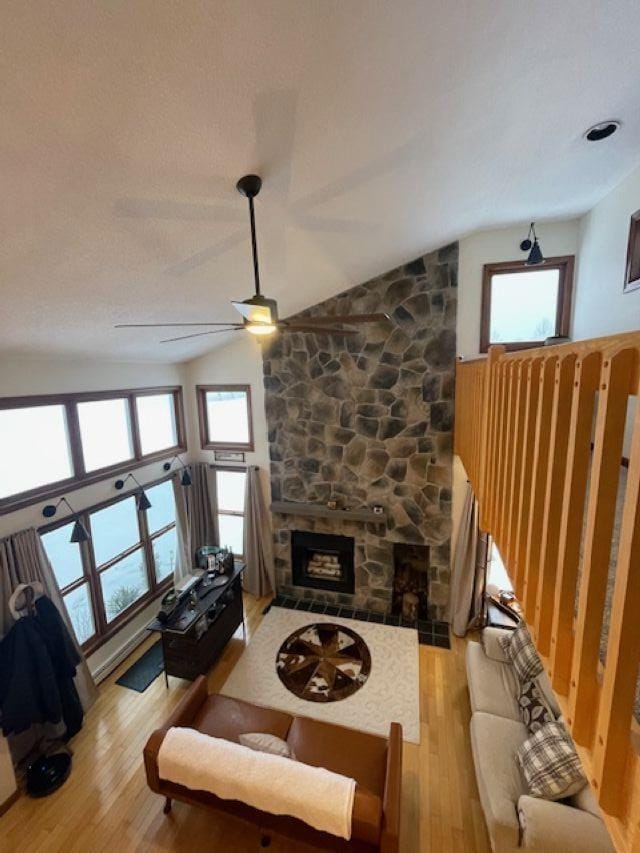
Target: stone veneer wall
<point>368,419</point>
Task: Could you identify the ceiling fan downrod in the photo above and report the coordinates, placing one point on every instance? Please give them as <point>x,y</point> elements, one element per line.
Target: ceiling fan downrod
<point>249,186</point>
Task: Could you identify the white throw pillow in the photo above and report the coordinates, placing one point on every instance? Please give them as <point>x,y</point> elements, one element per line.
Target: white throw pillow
<point>264,742</point>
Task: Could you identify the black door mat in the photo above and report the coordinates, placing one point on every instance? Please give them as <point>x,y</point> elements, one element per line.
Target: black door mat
<point>145,670</point>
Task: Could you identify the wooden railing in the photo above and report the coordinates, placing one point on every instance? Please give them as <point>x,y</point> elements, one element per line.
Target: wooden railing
<point>540,433</point>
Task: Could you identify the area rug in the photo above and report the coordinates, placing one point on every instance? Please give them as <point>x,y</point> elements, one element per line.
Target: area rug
<point>144,671</point>
<point>389,694</point>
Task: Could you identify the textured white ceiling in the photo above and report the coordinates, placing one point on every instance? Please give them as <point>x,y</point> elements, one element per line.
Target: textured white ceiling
<point>381,129</point>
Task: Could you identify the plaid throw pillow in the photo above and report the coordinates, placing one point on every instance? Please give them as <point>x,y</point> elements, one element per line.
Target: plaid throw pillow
<point>519,648</point>
<point>533,709</point>
<point>550,764</point>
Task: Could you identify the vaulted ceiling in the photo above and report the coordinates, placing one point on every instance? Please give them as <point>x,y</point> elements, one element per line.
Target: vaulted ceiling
<point>381,130</point>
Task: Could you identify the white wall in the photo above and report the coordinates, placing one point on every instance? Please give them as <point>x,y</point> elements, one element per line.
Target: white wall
<point>19,377</point>
<point>600,306</point>
<point>238,363</point>
<point>502,244</point>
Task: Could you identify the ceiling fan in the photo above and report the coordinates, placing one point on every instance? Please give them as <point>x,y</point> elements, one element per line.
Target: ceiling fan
<point>259,313</point>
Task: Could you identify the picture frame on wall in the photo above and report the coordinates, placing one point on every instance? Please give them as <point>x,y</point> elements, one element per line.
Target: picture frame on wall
<point>632,269</point>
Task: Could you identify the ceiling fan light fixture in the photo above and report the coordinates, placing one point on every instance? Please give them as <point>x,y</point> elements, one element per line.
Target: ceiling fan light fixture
<point>258,309</point>
<point>260,328</point>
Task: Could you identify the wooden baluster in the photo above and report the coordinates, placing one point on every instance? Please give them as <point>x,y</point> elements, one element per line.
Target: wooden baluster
<point>489,432</point>
<point>516,462</point>
<point>561,414</point>
<point>539,486</point>
<point>507,444</point>
<point>612,409</point>
<point>524,500</point>
<point>613,733</point>
<point>585,384</point>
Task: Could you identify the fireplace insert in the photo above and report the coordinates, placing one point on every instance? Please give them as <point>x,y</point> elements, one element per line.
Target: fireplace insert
<point>322,561</point>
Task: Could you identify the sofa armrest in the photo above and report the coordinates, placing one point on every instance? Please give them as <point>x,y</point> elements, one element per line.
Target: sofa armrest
<point>389,838</point>
<point>182,715</point>
<point>551,827</point>
<point>491,646</point>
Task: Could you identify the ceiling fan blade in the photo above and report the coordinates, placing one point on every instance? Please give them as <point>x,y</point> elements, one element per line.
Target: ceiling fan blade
<point>166,325</point>
<point>200,334</point>
<point>319,330</point>
<point>345,318</point>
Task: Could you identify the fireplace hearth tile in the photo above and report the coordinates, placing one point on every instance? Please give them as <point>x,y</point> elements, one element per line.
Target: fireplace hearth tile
<point>303,605</point>
<point>317,607</point>
<point>362,615</point>
<point>376,617</point>
<point>441,628</point>
<point>392,619</point>
<point>346,612</point>
<point>331,610</point>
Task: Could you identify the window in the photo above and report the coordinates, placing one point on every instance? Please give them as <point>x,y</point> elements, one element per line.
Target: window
<point>105,433</point>
<point>225,416</point>
<point>51,443</point>
<point>230,486</point>
<point>28,460</point>
<point>522,306</point>
<point>157,422</point>
<point>68,566</point>
<point>129,558</point>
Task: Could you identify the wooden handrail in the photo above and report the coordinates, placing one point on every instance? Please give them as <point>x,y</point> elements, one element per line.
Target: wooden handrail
<point>540,434</point>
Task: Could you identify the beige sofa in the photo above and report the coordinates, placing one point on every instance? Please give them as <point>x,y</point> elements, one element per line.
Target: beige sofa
<point>515,820</point>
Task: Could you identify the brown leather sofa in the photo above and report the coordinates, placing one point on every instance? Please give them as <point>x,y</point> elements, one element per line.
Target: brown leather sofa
<point>374,762</point>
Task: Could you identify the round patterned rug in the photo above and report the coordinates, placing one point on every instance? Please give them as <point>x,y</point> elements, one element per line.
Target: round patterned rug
<point>323,662</point>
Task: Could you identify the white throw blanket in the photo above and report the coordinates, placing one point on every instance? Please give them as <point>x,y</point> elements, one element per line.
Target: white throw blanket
<point>267,782</point>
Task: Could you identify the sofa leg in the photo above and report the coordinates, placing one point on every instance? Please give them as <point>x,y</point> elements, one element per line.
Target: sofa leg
<point>265,841</point>
<point>167,805</point>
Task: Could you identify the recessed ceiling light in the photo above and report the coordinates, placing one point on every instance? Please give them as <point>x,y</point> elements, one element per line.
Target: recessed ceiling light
<point>602,130</point>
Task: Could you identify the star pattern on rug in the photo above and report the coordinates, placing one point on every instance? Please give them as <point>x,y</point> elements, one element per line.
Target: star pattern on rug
<point>323,662</point>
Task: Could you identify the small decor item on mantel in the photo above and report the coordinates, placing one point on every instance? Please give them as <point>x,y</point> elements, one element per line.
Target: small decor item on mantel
<point>377,509</point>
<point>333,504</point>
<point>632,269</point>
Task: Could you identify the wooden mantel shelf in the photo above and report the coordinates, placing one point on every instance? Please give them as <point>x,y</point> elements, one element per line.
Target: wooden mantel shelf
<point>366,516</point>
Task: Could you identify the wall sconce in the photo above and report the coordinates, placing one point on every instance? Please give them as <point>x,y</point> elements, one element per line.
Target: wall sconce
<point>79,531</point>
<point>535,252</point>
<point>185,480</point>
<point>142,501</point>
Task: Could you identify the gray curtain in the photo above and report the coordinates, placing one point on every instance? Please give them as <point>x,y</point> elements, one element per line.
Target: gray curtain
<point>184,558</point>
<point>24,560</point>
<point>201,502</point>
<point>259,574</point>
<point>468,579</point>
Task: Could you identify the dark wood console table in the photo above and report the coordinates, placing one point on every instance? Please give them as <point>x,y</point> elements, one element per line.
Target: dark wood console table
<point>194,637</point>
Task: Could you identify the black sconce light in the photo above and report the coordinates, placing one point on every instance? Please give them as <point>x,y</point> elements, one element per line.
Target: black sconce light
<point>185,480</point>
<point>142,501</point>
<point>79,531</point>
<point>535,252</point>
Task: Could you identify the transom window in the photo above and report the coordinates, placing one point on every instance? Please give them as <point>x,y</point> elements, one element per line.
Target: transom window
<point>522,306</point>
<point>230,488</point>
<point>225,417</point>
<point>129,558</point>
<point>58,441</point>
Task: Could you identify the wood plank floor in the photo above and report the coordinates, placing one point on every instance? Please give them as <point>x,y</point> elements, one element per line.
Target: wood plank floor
<point>106,805</point>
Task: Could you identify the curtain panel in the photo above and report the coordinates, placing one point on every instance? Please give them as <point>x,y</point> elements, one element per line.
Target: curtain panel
<point>259,575</point>
<point>468,580</point>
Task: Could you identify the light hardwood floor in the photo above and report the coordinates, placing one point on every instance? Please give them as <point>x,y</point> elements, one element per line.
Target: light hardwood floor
<point>106,805</point>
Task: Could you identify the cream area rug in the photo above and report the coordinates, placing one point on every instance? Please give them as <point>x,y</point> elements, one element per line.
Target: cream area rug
<point>390,693</point>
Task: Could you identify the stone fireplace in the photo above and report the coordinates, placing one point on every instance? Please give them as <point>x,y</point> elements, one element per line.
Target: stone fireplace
<point>322,561</point>
<point>364,420</point>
